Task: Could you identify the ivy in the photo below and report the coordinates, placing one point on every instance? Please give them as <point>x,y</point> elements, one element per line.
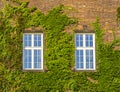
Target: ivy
<point>58,54</point>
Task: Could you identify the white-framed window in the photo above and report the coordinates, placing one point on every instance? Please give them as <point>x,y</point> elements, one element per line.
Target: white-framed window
<point>85,51</point>
<point>32,51</point>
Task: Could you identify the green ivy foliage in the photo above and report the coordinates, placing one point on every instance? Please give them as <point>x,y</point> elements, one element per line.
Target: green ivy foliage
<point>59,52</point>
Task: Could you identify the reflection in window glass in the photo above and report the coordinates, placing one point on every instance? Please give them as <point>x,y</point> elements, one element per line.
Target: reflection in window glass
<point>89,40</point>
<point>27,40</point>
<point>79,40</point>
<point>27,59</point>
<point>37,40</point>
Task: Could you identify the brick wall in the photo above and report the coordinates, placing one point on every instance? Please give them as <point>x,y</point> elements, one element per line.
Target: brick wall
<point>85,10</point>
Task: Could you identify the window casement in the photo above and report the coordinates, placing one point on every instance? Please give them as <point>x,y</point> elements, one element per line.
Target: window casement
<point>32,51</point>
<point>85,51</point>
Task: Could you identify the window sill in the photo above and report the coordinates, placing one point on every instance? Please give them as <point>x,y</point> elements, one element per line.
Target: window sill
<point>33,70</point>
<point>83,70</point>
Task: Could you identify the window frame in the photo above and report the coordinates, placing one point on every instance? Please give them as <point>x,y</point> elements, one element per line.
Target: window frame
<point>32,48</point>
<point>84,48</point>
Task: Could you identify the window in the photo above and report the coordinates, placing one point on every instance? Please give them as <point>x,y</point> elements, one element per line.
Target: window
<point>32,51</point>
<point>85,51</point>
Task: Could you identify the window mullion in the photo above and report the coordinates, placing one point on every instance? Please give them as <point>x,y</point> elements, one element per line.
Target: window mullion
<point>84,51</point>
<point>32,51</point>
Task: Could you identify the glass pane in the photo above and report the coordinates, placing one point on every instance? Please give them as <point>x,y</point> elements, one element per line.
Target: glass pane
<point>27,40</point>
<point>35,43</point>
<point>81,65</point>
<point>87,65</point>
<point>79,58</point>
<point>91,37</point>
<point>79,40</point>
<point>37,40</point>
<point>25,37</point>
<point>29,65</point>
<point>91,43</point>
<point>39,65</point>
<point>87,43</point>
<point>25,43</point>
<point>81,52</point>
<point>27,59</point>
<point>29,37</point>
<point>87,37</point>
<point>91,65</point>
<point>91,52</point>
<point>25,65</point>
<point>81,37</point>
<point>77,52</point>
<point>35,65</point>
<point>29,43</point>
<point>87,52</point>
<point>39,43</point>
<point>89,58</point>
<point>39,37</point>
<point>35,37</point>
<point>77,65</point>
<point>81,43</point>
<point>77,37</point>
<point>37,58</point>
<point>89,40</point>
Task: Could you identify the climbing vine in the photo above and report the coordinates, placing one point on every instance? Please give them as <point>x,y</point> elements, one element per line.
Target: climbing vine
<point>58,54</point>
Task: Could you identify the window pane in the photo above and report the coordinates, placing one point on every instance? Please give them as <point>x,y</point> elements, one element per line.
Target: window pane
<point>89,40</point>
<point>89,58</point>
<point>39,43</point>
<point>37,40</point>
<point>27,59</point>
<point>39,37</point>
<point>91,43</point>
<point>25,37</point>
<point>79,40</point>
<point>35,43</point>
<point>37,58</point>
<point>27,40</point>
<point>91,65</point>
<point>29,37</point>
<point>91,37</point>
<point>87,37</point>
<point>35,37</point>
<point>87,65</point>
<point>81,65</point>
<point>79,59</point>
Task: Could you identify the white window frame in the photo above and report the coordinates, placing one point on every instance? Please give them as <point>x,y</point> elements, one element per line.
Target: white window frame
<point>84,48</point>
<point>32,48</point>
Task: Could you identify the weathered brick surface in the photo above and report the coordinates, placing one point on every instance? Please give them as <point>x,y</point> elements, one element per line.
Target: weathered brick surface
<point>85,10</point>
